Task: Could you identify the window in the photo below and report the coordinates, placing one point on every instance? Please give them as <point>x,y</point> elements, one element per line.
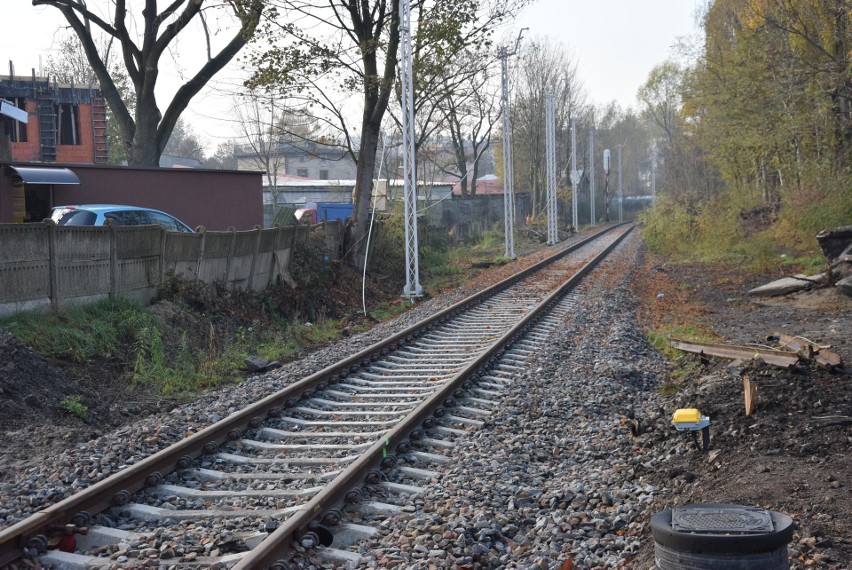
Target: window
<point>323,174</point>
<point>165,220</point>
<point>68,123</point>
<point>303,172</point>
<point>78,218</point>
<point>129,217</point>
<point>19,130</point>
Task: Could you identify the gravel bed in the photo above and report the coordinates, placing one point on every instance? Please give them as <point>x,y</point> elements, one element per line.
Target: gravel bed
<point>551,480</point>
<point>80,466</point>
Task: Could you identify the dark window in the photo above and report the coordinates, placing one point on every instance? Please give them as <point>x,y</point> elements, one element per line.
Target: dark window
<point>303,172</point>
<point>129,217</point>
<point>78,218</point>
<point>323,174</point>
<point>68,123</point>
<point>171,224</point>
<point>19,130</point>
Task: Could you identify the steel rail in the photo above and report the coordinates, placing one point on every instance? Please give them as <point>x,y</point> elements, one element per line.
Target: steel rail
<point>117,489</point>
<point>272,551</point>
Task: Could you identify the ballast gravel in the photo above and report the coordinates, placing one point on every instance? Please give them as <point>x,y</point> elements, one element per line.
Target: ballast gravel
<point>551,481</point>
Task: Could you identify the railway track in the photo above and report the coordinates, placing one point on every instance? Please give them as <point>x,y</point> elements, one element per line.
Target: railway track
<point>284,472</point>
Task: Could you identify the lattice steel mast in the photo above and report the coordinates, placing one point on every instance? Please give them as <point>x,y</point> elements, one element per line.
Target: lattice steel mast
<point>550,144</point>
<point>409,167</point>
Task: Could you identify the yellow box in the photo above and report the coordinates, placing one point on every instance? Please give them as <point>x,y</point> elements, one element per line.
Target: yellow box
<point>686,415</point>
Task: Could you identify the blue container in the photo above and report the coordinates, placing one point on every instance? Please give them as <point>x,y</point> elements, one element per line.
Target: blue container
<point>327,211</point>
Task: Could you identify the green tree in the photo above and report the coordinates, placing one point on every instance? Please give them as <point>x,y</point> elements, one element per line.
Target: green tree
<point>143,39</point>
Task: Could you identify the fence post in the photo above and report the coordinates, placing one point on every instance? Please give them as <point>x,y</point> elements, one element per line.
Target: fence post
<point>53,264</point>
<point>274,257</point>
<point>254,257</point>
<point>230,260</point>
<point>113,262</point>
<point>203,233</point>
<point>163,237</point>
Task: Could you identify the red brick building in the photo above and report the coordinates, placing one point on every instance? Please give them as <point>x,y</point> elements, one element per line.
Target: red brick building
<point>66,123</point>
<point>58,157</point>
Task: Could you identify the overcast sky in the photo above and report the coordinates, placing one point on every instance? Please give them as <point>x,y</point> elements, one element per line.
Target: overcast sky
<point>616,44</point>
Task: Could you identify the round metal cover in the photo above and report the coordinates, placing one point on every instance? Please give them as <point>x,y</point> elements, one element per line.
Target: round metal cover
<point>721,529</point>
<point>727,519</point>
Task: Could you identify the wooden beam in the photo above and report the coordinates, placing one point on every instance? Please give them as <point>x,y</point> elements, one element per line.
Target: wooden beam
<point>782,358</point>
<point>824,357</point>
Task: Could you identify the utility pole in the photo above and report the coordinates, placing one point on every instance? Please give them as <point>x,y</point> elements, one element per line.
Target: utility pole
<point>620,189</point>
<point>592,217</point>
<point>653,177</point>
<point>575,178</point>
<point>508,174</point>
<point>550,140</point>
<point>607,167</point>
<point>409,167</point>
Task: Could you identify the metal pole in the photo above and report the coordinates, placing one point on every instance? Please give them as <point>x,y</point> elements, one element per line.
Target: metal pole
<point>592,217</point>
<point>575,216</point>
<point>409,167</point>
<point>508,198</point>
<point>620,188</point>
<point>653,177</point>
<point>550,144</point>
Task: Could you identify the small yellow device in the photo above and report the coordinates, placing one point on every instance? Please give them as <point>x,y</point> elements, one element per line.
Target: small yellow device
<point>690,419</point>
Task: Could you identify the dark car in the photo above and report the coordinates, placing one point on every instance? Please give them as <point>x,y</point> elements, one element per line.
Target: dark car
<point>98,214</point>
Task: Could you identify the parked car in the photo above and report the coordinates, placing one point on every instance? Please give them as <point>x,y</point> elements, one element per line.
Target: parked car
<point>98,214</point>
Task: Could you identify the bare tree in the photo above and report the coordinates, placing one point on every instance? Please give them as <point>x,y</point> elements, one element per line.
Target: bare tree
<point>544,66</point>
<point>470,110</point>
<point>346,46</point>
<point>146,129</point>
<point>70,65</point>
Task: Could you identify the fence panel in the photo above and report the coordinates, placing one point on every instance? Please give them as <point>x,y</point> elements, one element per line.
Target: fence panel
<point>24,264</point>
<point>42,264</point>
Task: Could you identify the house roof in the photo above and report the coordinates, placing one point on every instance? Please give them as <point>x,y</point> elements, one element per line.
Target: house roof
<point>488,184</point>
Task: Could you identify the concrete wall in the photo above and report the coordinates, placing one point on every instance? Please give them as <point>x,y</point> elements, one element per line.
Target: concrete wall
<point>47,266</point>
<point>469,218</point>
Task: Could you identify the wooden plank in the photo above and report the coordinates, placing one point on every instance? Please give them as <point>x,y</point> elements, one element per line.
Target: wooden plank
<point>749,394</point>
<point>824,357</point>
<point>782,358</point>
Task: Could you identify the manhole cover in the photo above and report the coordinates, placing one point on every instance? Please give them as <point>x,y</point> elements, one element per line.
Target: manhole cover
<point>721,519</point>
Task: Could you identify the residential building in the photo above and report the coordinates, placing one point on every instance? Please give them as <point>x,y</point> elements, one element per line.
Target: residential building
<point>66,123</point>
<point>302,159</point>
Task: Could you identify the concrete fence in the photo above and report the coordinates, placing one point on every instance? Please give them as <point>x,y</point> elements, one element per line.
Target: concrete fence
<point>44,266</point>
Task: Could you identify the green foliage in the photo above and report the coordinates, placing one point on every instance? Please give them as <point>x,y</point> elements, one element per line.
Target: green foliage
<point>79,334</point>
<point>75,407</point>
<point>669,228</point>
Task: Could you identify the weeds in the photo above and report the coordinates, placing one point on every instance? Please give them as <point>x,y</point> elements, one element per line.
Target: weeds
<point>75,407</point>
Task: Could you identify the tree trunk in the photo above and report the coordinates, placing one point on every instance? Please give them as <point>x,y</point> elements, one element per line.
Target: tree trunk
<point>355,239</point>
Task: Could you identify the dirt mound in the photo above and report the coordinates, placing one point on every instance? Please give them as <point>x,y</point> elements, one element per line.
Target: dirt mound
<point>792,454</point>
<point>32,391</point>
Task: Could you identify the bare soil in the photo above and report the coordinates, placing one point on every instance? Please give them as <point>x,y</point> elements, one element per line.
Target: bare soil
<point>792,454</point>
<point>38,396</point>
